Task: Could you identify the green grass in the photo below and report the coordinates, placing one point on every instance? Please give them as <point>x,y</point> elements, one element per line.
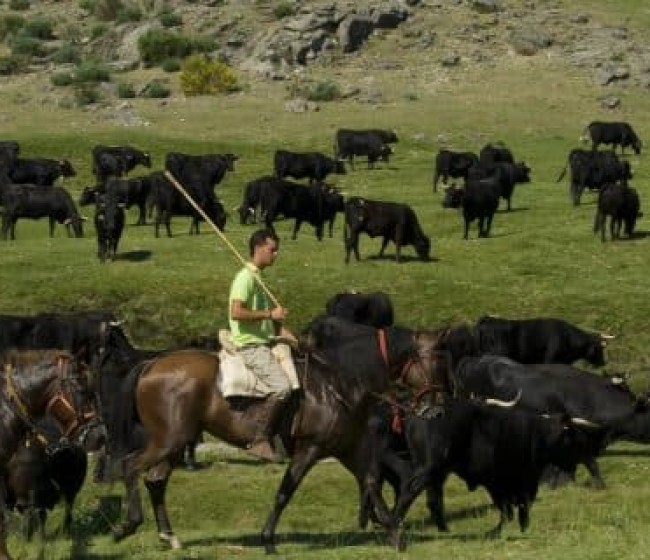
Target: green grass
<point>543,260</point>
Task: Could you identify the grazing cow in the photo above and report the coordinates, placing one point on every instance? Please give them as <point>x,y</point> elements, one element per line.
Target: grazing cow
<point>452,164</point>
<point>613,411</point>
<point>486,443</point>
<point>594,169</point>
<point>316,204</point>
<point>25,201</point>
<point>43,172</point>
<point>169,202</point>
<point>505,174</point>
<point>622,205</point>
<point>116,161</point>
<point>374,308</point>
<point>38,476</point>
<point>491,154</point>
<point>133,191</point>
<point>391,220</point>
<point>314,165</point>
<point>479,201</point>
<point>374,144</point>
<point>109,224</point>
<point>252,197</point>
<point>200,173</point>
<point>541,340</point>
<point>612,133</point>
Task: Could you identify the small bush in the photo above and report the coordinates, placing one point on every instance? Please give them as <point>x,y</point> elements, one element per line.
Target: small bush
<point>10,65</point>
<point>68,53</point>
<point>324,91</point>
<point>128,14</point>
<point>202,76</point>
<point>28,46</point>
<point>10,25</point>
<point>155,90</point>
<point>19,5</point>
<point>62,79</point>
<point>91,71</point>
<point>284,9</point>
<point>170,19</point>
<point>171,65</point>
<point>85,94</point>
<point>88,5</point>
<point>98,31</point>
<point>157,45</point>
<point>107,10</point>
<point>38,28</point>
<point>125,90</point>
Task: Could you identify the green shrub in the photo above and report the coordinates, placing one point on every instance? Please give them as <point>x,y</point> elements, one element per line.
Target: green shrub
<point>62,79</point>
<point>68,53</point>
<point>128,14</point>
<point>171,65</point>
<point>88,5</point>
<point>98,30</point>
<point>23,45</point>
<point>284,9</point>
<point>19,5</point>
<point>92,71</point>
<point>157,45</point>
<point>10,65</point>
<point>324,91</point>
<point>85,94</point>
<point>202,76</point>
<point>125,90</point>
<point>107,10</point>
<point>38,28</point>
<point>170,19</point>
<point>10,25</point>
<point>155,90</point>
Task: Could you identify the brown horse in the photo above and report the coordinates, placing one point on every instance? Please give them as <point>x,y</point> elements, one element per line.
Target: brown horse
<point>34,384</point>
<point>347,367</point>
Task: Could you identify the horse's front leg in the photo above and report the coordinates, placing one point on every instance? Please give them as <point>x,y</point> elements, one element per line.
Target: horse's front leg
<point>301,462</point>
<point>134,516</point>
<point>156,481</point>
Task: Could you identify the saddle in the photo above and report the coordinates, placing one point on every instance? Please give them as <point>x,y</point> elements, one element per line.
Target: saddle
<point>235,379</point>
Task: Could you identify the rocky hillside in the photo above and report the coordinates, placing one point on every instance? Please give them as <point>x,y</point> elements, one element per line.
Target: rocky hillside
<point>279,40</point>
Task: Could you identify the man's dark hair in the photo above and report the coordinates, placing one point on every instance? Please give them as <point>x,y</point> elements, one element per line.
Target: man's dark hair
<point>259,237</point>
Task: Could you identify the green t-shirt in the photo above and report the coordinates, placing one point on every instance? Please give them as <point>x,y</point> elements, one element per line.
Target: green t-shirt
<point>245,288</point>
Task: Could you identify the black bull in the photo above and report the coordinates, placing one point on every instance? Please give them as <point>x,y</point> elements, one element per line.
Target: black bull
<point>347,365</point>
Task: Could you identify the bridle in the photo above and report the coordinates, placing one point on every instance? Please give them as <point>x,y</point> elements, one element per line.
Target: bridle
<point>59,407</point>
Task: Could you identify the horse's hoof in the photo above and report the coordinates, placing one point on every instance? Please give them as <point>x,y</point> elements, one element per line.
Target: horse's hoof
<point>171,540</point>
<point>397,540</point>
<point>123,531</point>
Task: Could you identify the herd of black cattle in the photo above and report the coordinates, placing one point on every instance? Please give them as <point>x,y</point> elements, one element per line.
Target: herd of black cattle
<point>509,409</point>
<point>556,417</point>
<point>28,189</point>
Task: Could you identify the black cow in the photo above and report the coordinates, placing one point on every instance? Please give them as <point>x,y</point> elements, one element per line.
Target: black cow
<point>316,204</point>
<point>252,197</point>
<point>40,475</point>
<point>391,220</point>
<point>594,169</point>
<point>200,173</point>
<point>116,161</point>
<point>9,151</point>
<point>540,340</point>
<point>613,411</point>
<point>133,191</point>
<point>109,224</point>
<point>506,450</point>
<point>314,165</point>
<point>374,308</point>
<point>506,175</point>
<point>479,201</point>
<point>27,201</point>
<point>452,164</point>
<point>612,133</point>
<point>622,205</point>
<point>168,202</point>
<point>374,144</point>
<point>491,154</point>
<point>40,171</point>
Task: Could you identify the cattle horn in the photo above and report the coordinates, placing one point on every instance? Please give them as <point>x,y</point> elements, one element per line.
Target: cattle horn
<point>606,336</point>
<point>584,422</point>
<point>504,404</point>
<point>116,323</point>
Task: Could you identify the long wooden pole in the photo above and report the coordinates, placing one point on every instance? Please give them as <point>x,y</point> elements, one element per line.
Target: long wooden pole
<point>221,235</point>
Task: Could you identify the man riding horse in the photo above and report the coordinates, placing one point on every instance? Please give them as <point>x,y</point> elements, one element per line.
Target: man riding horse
<point>260,338</point>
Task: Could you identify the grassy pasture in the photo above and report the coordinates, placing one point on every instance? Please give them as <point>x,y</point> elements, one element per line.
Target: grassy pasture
<point>542,260</point>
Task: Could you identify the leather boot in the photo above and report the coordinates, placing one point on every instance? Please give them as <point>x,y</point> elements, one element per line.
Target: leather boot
<point>265,445</point>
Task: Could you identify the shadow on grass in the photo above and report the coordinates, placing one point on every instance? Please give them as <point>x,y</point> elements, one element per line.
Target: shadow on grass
<point>513,210</point>
<point>403,259</point>
<point>636,236</point>
<point>627,452</point>
<point>134,256</point>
